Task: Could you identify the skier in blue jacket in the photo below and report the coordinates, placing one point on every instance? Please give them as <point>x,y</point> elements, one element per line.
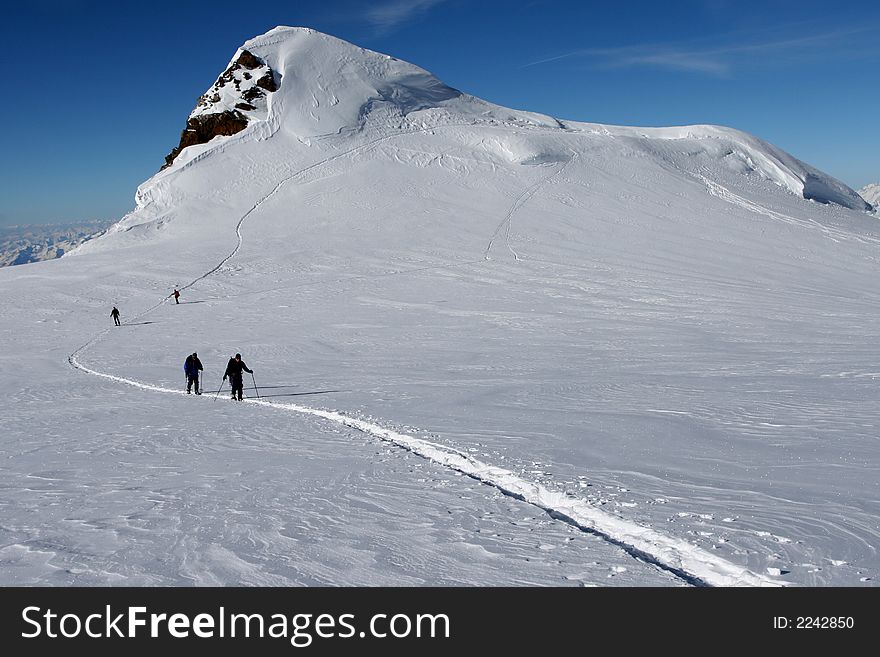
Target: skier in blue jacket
<point>191,367</point>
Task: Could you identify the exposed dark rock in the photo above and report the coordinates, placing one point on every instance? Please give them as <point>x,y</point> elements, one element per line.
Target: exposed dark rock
<point>267,82</point>
<point>227,76</point>
<point>245,60</point>
<point>203,128</point>
<point>253,93</point>
<point>248,60</point>
<point>245,106</point>
<point>206,100</point>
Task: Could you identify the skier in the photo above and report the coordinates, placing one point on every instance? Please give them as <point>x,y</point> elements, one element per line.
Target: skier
<point>233,371</point>
<point>115,315</point>
<point>176,296</point>
<point>192,366</point>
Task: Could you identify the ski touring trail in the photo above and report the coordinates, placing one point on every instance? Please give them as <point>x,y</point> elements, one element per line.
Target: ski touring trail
<point>691,564</point>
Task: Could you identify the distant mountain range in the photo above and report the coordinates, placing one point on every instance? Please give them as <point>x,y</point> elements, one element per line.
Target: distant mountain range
<point>20,245</point>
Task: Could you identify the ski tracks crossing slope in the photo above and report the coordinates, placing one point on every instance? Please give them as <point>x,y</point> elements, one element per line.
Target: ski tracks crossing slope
<point>518,203</point>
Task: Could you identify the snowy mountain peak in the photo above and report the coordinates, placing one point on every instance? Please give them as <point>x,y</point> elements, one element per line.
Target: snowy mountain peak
<point>333,87</point>
<point>871,194</point>
<point>307,84</point>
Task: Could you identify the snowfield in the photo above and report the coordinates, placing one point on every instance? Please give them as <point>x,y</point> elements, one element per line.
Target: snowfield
<point>491,348</point>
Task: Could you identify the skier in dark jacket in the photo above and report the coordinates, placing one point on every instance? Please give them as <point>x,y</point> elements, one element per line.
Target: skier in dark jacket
<point>233,371</point>
<point>192,366</point>
<point>115,315</point>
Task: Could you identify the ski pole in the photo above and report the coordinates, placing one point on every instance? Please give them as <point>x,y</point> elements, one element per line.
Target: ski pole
<point>219,389</point>
<point>255,385</point>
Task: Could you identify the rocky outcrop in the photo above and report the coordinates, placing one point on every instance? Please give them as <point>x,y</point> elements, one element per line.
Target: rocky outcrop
<point>238,96</point>
<point>253,93</point>
<point>203,128</point>
<point>248,60</point>
<point>267,82</point>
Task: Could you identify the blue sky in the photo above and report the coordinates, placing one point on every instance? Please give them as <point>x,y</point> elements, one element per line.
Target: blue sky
<point>96,93</point>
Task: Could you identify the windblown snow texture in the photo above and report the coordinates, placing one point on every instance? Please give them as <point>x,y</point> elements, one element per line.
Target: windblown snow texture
<point>493,348</point>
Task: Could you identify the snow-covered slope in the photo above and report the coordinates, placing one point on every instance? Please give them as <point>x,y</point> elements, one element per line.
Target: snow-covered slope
<point>871,194</point>
<point>492,347</point>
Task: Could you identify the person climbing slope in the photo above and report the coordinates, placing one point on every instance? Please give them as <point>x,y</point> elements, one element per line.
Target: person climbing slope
<point>233,371</point>
<point>191,367</point>
<point>115,315</point>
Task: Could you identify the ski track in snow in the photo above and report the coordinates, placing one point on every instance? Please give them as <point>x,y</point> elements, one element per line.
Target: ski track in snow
<point>692,564</point>
<point>521,201</point>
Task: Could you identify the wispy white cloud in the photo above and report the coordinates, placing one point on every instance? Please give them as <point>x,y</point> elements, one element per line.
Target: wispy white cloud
<point>720,60</point>
<point>388,16</point>
<point>680,61</point>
